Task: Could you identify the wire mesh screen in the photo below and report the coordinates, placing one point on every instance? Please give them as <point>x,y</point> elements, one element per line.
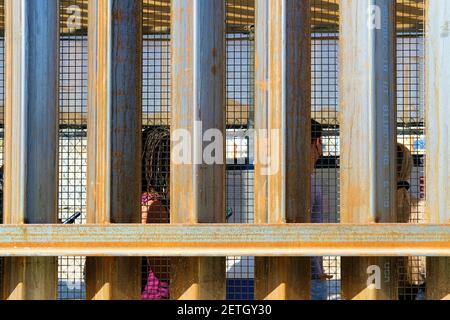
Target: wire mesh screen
<point>326,276</point>
<point>156,139</point>
<point>239,144</point>
<point>72,138</point>
<point>156,121</point>
<point>410,84</point>
<point>410,129</point>
<point>411,139</point>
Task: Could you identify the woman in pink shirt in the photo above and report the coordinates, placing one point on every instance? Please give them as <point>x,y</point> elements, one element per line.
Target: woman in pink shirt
<point>155,206</point>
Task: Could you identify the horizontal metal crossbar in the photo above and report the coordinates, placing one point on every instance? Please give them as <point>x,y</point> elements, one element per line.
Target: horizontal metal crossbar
<point>225,240</point>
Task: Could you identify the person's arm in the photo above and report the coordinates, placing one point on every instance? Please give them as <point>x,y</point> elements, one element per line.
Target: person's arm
<point>144,210</point>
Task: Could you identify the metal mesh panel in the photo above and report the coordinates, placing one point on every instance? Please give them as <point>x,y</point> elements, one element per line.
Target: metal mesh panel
<point>156,119</point>
<point>325,179</point>
<point>410,127</point>
<point>72,139</point>
<point>239,144</point>
<point>239,109</point>
<point>411,134</point>
<point>156,139</point>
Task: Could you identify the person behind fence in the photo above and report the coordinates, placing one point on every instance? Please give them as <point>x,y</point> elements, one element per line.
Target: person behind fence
<point>155,205</point>
<point>319,290</point>
<point>412,272</point>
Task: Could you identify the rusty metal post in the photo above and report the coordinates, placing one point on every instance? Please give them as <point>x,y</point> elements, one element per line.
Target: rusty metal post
<point>114,133</point>
<point>437,68</point>
<point>198,105</point>
<point>368,136</point>
<point>31,138</point>
<point>283,138</point>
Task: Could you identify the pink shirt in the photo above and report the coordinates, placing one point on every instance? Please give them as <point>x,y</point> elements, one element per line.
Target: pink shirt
<point>154,288</point>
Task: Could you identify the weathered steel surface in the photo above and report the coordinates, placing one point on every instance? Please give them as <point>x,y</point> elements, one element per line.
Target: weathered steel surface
<point>114,111</point>
<point>282,278</point>
<point>199,277</point>
<point>290,108</point>
<point>31,123</point>
<point>262,111</point>
<point>31,112</point>
<point>368,114</point>
<point>114,133</point>
<point>224,240</point>
<point>240,14</point>
<point>198,95</point>
<point>438,283</point>
<point>197,189</point>
<point>283,168</point>
<point>113,278</point>
<point>437,68</point>
<point>368,134</point>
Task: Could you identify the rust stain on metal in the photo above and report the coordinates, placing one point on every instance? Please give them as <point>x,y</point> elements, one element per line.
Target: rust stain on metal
<point>198,96</point>
<point>114,131</point>
<point>224,240</point>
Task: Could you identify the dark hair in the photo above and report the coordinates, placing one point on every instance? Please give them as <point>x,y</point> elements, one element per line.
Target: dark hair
<point>316,130</point>
<point>156,160</point>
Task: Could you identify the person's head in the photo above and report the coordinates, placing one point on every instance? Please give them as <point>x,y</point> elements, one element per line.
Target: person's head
<point>316,142</point>
<point>156,161</point>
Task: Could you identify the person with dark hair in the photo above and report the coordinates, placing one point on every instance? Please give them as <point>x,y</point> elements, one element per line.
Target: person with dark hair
<point>155,204</point>
<point>319,277</point>
<point>156,170</point>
